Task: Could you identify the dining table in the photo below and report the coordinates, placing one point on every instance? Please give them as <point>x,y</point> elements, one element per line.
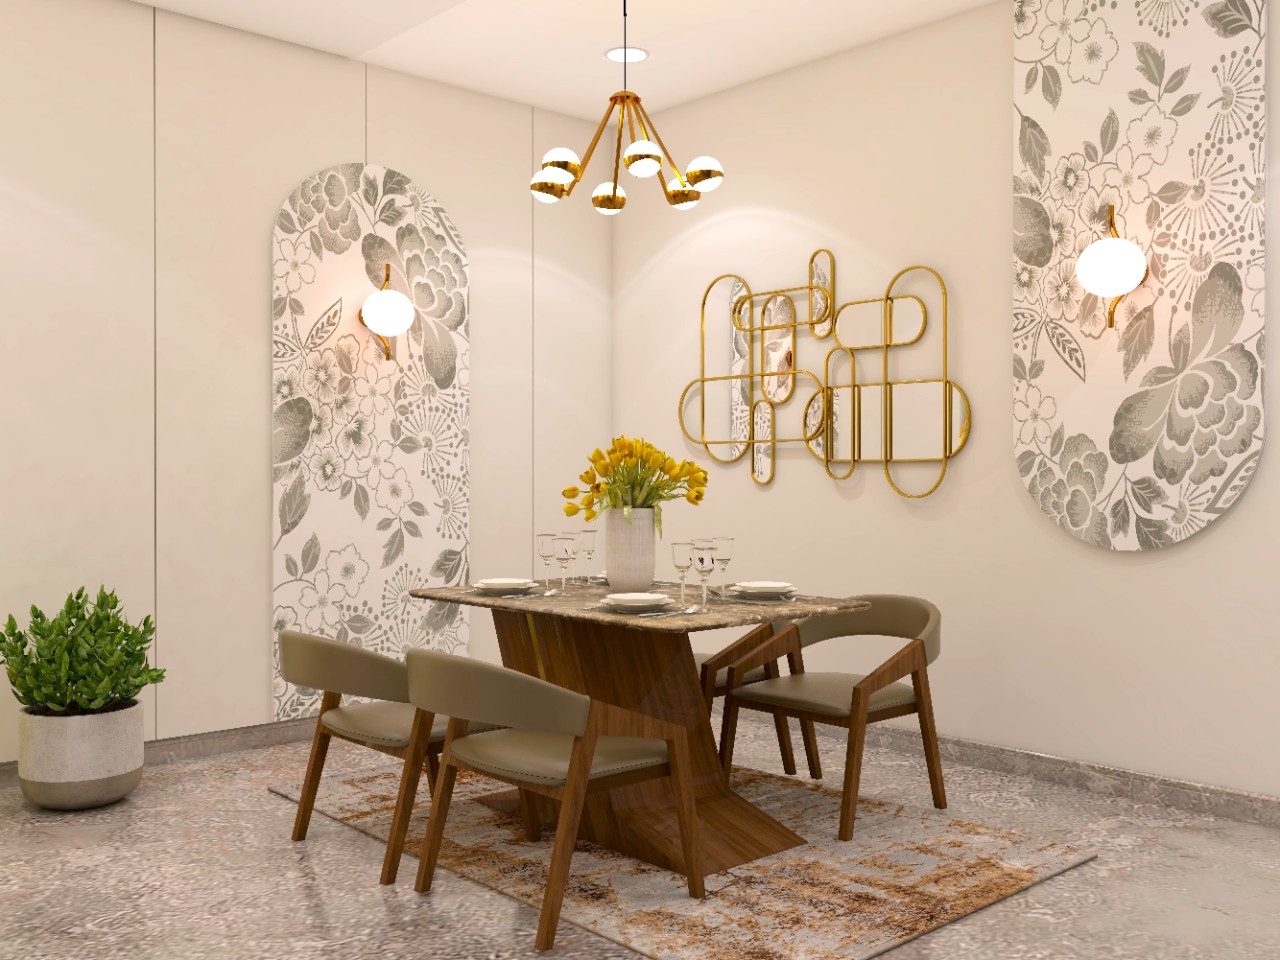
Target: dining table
<point>645,663</point>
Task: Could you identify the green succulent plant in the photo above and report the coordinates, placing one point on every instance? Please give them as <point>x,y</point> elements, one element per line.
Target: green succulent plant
<point>87,659</point>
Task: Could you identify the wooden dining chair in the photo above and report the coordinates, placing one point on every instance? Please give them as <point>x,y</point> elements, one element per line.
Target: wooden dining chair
<point>388,724</point>
<point>555,743</point>
<point>714,678</point>
<point>846,699</point>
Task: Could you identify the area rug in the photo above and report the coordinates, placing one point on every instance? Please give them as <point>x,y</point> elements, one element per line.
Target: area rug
<point>908,870</point>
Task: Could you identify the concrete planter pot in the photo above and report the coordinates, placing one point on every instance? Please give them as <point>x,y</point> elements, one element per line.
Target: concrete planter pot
<point>78,762</point>
<point>629,549</point>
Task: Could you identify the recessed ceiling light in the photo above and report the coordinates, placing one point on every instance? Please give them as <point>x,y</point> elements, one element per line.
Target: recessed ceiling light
<point>626,55</point>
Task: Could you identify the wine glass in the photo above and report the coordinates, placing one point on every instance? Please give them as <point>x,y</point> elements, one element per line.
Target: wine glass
<point>682,560</point>
<point>565,548</point>
<point>704,552</point>
<point>587,540</point>
<point>546,550</point>
<point>722,554</point>
<point>577,548</point>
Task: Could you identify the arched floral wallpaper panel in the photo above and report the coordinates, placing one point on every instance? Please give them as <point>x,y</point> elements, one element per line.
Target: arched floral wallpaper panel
<point>371,470</point>
<point>1138,437</point>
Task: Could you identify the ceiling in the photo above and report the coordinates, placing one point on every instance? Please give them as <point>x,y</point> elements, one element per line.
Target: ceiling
<point>550,53</point>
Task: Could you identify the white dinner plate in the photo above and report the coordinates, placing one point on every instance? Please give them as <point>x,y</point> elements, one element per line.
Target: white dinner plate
<point>775,587</point>
<point>637,602</point>
<point>504,585</point>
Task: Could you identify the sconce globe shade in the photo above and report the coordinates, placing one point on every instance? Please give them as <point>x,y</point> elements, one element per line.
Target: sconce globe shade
<point>387,313</point>
<point>705,173</point>
<point>682,196</point>
<point>564,159</point>
<point>643,158</point>
<point>1111,267</point>
<point>550,184</point>
<point>606,201</point>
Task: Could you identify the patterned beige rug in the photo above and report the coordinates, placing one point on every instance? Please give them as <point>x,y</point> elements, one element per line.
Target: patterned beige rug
<point>907,871</point>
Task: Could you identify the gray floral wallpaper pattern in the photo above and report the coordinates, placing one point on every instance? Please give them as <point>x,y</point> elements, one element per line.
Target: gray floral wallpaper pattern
<point>371,467</point>
<point>1138,437</point>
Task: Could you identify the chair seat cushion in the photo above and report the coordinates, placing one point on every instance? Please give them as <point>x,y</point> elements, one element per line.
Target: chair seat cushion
<point>825,693</point>
<point>382,722</point>
<point>722,676</point>
<point>543,758</point>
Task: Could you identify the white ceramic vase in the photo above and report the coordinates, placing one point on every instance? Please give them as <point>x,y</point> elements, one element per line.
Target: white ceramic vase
<point>629,549</point>
<point>82,761</point>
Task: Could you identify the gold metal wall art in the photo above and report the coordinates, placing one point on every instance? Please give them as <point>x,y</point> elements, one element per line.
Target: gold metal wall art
<point>845,416</point>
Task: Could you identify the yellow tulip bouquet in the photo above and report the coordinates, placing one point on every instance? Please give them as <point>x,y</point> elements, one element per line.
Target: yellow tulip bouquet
<point>634,474</point>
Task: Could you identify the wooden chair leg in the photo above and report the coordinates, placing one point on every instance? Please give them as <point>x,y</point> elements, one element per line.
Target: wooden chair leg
<point>435,826</point>
<point>315,766</point>
<point>728,730</point>
<point>783,729</point>
<point>572,797</point>
<point>413,762</point>
<point>809,733</point>
<point>687,814</point>
<point>929,734</point>
<point>708,683</point>
<point>433,768</point>
<point>853,763</point>
<point>532,828</point>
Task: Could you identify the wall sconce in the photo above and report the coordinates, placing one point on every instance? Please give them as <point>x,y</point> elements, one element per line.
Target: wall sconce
<point>387,313</point>
<point>1112,267</point>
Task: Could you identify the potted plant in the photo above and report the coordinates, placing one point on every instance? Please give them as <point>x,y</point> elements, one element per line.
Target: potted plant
<point>628,483</point>
<point>76,677</point>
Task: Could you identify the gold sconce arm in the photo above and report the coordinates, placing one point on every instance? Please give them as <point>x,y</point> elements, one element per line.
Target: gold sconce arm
<point>1112,267</point>
<point>386,343</point>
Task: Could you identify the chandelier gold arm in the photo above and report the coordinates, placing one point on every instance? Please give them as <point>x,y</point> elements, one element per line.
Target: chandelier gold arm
<point>631,125</point>
<point>617,149</point>
<point>661,146</point>
<point>595,140</point>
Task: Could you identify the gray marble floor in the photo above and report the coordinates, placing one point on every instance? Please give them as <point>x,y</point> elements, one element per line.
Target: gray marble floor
<point>198,863</point>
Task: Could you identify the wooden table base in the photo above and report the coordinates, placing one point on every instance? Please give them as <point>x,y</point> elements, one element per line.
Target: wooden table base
<point>652,672</point>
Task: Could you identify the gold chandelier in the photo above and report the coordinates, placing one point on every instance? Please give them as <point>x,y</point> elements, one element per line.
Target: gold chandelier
<point>643,158</point>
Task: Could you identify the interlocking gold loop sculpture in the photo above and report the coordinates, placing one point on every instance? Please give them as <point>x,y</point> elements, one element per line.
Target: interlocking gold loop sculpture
<point>767,327</point>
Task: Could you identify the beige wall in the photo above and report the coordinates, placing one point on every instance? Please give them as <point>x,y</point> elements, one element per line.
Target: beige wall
<point>1167,663</point>
<point>239,120</point>
<point>77,459</point>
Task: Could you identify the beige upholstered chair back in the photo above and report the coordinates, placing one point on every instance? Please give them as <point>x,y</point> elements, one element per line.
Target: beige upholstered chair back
<point>487,693</point>
<point>341,668</point>
<point>890,616</point>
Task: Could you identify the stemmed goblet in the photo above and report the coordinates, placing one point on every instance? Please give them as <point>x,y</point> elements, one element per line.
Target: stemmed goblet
<point>722,555</point>
<point>703,563</point>
<point>546,550</point>
<point>682,560</point>
<point>565,549</point>
<point>575,536</point>
<point>587,540</point>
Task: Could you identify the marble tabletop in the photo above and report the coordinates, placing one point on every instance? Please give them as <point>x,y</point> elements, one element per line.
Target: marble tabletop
<point>582,602</point>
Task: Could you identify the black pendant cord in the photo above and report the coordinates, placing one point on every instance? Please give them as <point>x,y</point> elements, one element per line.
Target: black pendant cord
<point>626,53</point>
